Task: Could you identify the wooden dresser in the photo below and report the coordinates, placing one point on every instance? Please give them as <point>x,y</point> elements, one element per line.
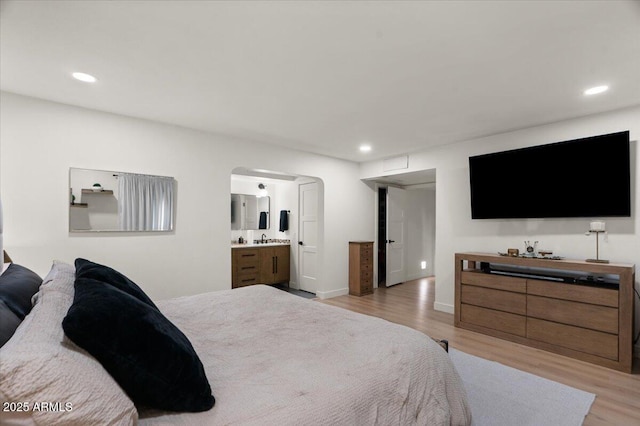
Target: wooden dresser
<point>360,267</point>
<point>260,265</point>
<point>547,308</point>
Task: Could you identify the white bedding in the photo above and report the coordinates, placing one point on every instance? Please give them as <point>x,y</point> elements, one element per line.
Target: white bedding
<point>284,360</point>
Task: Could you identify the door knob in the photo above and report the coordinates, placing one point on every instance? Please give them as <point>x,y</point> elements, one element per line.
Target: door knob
<point>391,241</point>
<point>300,243</point>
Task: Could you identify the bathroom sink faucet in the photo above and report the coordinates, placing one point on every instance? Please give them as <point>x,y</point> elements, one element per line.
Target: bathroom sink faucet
<point>262,239</point>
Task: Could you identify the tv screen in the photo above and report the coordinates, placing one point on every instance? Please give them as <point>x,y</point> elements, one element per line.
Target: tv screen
<point>587,177</point>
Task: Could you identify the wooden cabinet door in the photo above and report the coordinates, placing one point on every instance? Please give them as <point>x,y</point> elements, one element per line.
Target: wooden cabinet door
<point>282,259</point>
<point>267,265</point>
<point>274,264</point>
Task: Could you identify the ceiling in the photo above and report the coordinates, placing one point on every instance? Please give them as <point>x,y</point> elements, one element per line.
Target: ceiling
<point>325,77</point>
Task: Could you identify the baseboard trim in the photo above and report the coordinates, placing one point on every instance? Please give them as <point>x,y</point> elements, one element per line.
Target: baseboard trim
<point>444,307</point>
<point>332,293</point>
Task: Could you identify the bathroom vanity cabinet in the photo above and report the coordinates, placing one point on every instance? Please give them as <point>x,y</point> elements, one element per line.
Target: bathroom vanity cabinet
<point>256,264</point>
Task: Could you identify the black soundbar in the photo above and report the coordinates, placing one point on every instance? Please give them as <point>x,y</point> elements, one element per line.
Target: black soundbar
<point>580,279</point>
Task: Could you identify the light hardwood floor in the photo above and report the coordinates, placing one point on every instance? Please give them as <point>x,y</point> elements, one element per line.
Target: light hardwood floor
<point>411,304</point>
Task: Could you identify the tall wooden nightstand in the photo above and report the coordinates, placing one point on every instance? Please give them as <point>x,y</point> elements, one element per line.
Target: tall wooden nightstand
<point>360,267</point>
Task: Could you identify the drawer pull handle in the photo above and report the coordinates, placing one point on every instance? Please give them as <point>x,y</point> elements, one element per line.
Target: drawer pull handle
<point>248,267</point>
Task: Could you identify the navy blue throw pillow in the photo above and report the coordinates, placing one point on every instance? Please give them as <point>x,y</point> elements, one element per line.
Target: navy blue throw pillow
<point>17,285</point>
<point>149,357</point>
<point>87,269</point>
<point>9,322</point>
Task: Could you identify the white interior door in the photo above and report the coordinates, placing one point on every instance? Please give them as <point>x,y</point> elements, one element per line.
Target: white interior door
<point>308,238</point>
<point>396,236</point>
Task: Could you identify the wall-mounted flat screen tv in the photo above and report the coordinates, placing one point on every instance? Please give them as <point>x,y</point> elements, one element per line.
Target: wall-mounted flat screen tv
<point>587,177</point>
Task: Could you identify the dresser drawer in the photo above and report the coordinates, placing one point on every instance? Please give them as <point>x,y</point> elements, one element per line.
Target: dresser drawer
<point>366,256</point>
<point>366,273</point>
<point>499,282</point>
<point>366,251</point>
<point>496,320</point>
<point>515,303</point>
<point>245,280</point>
<point>594,317</point>
<point>366,287</point>
<point>247,269</point>
<point>576,293</point>
<point>577,338</point>
<point>247,255</point>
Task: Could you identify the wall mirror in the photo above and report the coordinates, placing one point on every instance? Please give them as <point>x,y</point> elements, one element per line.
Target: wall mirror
<point>249,212</point>
<point>102,200</point>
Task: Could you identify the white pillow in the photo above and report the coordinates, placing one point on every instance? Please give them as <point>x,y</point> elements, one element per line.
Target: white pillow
<point>49,378</point>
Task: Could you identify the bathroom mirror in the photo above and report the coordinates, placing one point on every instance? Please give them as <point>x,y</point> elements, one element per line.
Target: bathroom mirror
<point>102,200</point>
<point>249,212</point>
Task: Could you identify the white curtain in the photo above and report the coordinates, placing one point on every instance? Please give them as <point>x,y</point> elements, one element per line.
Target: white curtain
<point>145,203</point>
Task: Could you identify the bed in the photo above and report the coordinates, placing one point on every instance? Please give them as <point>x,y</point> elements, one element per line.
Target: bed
<point>270,358</point>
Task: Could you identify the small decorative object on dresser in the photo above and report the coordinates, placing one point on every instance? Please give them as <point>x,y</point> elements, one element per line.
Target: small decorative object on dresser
<point>96,187</point>
<point>360,267</point>
<point>531,249</point>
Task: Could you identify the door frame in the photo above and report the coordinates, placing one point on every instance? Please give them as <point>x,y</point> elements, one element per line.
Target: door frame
<point>259,175</point>
<point>379,239</point>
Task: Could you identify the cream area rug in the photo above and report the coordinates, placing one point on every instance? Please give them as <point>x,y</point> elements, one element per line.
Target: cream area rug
<point>501,395</point>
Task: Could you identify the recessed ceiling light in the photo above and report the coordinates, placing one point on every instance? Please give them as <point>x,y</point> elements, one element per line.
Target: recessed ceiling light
<point>365,148</point>
<point>87,78</point>
<point>595,90</point>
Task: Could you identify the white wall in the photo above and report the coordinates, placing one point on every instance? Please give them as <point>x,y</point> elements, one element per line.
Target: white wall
<point>40,141</point>
<point>457,232</point>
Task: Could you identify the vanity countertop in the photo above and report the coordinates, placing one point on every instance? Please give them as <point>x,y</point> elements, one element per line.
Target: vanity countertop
<point>254,245</point>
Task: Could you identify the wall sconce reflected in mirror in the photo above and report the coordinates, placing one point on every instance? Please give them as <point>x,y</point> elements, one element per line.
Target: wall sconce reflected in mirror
<point>263,190</point>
